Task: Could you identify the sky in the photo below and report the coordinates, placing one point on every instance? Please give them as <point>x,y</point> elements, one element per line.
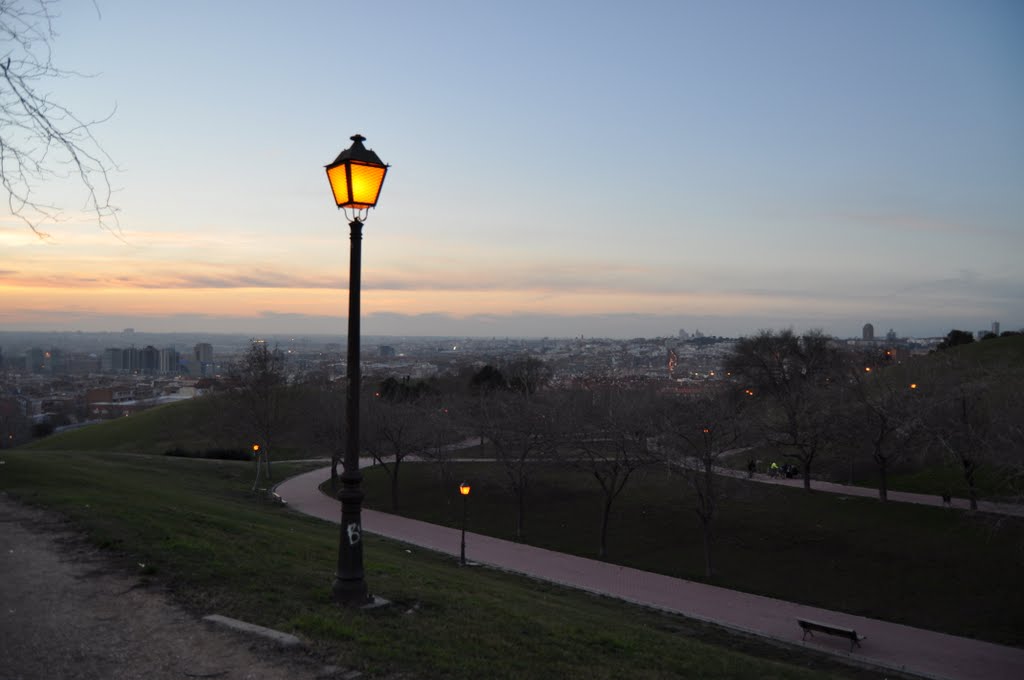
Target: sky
<point>558,168</point>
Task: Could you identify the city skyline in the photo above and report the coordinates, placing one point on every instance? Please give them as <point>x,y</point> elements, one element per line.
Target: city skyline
<point>557,170</point>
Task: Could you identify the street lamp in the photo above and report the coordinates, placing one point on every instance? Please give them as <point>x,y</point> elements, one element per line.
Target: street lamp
<point>356,176</point>
<point>464,490</point>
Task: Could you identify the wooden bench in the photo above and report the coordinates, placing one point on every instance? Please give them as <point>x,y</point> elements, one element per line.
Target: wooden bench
<point>810,627</point>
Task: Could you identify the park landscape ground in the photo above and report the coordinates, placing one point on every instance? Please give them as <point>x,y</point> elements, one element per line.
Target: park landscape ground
<point>217,547</point>
<point>214,547</point>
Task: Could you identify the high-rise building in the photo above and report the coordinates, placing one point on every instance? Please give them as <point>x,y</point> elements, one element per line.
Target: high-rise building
<point>150,359</point>
<point>995,328</point>
<point>204,353</point>
<point>168,360</point>
<point>869,332</point>
<point>132,360</point>
<point>112,360</point>
<point>36,360</point>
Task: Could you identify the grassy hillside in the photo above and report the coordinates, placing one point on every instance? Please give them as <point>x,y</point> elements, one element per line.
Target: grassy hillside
<point>996,353</point>
<point>194,425</point>
<point>151,431</point>
<point>199,532</point>
<point>994,371</point>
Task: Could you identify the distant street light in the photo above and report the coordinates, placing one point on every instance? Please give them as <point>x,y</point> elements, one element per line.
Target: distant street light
<point>464,490</point>
<point>256,459</point>
<point>356,176</point>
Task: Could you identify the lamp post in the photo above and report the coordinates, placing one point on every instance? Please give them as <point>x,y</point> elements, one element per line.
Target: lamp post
<point>356,176</point>
<point>464,490</point>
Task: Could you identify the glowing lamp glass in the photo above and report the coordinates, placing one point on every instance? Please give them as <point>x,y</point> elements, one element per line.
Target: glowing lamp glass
<point>356,176</point>
<point>464,489</point>
<point>356,185</point>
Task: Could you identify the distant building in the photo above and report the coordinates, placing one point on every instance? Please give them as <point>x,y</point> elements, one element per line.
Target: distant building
<point>995,328</point>
<point>869,332</point>
<point>890,336</point>
<point>683,335</point>
<point>112,360</point>
<point>204,353</point>
<point>132,360</point>
<point>36,358</point>
<point>386,351</point>
<point>150,359</point>
<point>201,365</point>
<point>168,361</point>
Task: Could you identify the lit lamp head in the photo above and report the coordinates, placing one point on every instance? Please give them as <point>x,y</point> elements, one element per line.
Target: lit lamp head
<point>255,449</point>
<point>356,177</point>
<point>464,489</point>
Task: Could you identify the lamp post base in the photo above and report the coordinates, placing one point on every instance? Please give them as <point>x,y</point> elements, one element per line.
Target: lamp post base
<point>350,593</point>
<point>352,596</point>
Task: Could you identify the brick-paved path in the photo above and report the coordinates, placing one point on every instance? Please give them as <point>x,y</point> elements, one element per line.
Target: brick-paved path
<point>889,645</point>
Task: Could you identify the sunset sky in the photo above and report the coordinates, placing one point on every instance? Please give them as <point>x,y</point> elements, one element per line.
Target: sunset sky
<point>558,168</point>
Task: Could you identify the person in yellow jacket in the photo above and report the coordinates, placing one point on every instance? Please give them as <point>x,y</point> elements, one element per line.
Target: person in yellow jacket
<point>773,469</point>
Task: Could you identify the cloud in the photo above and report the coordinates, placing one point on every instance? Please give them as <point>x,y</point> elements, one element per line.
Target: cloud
<point>922,224</point>
<point>174,280</point>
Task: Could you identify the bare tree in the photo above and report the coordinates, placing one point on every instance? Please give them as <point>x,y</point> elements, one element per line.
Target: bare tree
<point>700,431</point>
<point>394,430</point>
<point>442,431</point>
<point>798,376</point>
<point>323,404</point>
<point>260,384</point>
<point>886,417</point>
<point>526,374</point>
<point>519,426</point>
<point>42,140</point>
<point>606,433</point>
<point>962,425</point>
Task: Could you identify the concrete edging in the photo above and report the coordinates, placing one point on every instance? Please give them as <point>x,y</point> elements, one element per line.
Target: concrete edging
<point>283,639</point>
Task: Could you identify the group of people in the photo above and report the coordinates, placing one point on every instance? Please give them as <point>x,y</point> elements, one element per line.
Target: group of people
<point>774,469</point>
<point>787,470</point>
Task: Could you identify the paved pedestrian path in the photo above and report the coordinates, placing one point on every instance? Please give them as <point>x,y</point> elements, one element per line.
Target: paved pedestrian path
<point>933,500</point>
<point>888,645</point>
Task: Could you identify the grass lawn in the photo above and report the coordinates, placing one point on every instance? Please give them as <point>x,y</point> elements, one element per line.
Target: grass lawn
<point>198,531</point>
<point>184,425</point>
<point>934,568</point>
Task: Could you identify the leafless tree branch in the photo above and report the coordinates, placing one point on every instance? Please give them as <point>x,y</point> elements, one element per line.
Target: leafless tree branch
<point>42,140</point>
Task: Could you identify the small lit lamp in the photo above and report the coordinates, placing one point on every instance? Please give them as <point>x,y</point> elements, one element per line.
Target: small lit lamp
<point>356,176</point>
<point>256,459</point>
<point>464,490</point>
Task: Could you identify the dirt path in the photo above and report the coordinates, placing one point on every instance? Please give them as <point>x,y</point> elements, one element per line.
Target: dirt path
<point>67,613</point>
